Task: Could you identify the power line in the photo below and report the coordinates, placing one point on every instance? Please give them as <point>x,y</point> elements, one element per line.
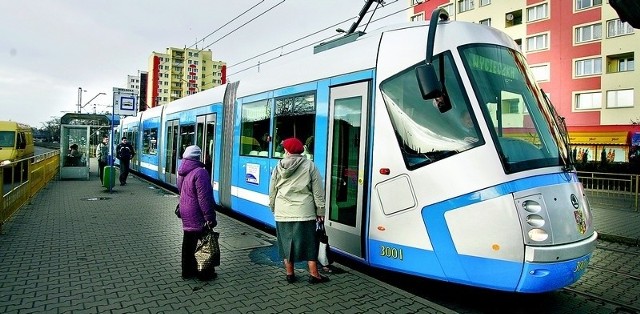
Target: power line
<point>291,42</point>
<point>235,18</point>
<point>286,44</point>
<point>306,46</point>
<point>243,25</point>
<point>288,53</point>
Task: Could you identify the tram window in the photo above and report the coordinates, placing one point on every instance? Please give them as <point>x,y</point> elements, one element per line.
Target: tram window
<point>254,137</point>
<point>149,141</point>
<point>294,116</point>
<point>187,137</point>
<point>424,134</point>
<point>116,138</point>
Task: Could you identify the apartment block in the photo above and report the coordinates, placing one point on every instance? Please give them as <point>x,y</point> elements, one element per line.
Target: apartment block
<point>581,55</point>
<point>180,72</point>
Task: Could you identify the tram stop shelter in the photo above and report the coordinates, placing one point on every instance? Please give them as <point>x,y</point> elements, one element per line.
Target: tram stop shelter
<point>79,135</point>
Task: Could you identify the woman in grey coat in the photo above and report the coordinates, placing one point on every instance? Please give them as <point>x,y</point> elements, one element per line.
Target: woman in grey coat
<point>296,198</point>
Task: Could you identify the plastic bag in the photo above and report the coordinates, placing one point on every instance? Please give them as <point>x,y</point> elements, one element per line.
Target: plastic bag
<point>208,251</point>
<point>323,249</point>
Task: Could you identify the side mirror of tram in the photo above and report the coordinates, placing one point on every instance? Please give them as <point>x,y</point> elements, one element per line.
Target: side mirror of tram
<point>428,82</point>
<point>431,88</point>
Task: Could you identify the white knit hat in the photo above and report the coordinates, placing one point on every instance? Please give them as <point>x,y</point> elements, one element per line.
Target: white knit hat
<point>192,152</point>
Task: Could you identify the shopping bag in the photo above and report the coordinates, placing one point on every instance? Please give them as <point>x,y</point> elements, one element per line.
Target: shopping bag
<point>208,251</point>
<point>324,257</point>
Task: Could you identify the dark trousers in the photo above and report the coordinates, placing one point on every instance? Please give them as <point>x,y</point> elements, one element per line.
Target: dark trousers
<point>101,165</point>
<point>189,243</point>
<point>124,170</point>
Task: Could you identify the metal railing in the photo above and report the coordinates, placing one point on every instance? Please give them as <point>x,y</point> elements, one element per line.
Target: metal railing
<point>22,179</point>
<point>619,191</point>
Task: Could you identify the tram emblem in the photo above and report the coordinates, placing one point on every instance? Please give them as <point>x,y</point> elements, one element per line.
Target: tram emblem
<point>574,201</point>
<point>578,215</point>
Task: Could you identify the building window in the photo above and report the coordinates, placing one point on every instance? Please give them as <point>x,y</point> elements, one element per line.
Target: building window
<point>418,17</point>
<point>618,28</point>
<point>589,100</point>
<point>486,22</point>
<point>585,4</point>
<point>513,18</point>
<point>538,12</point>
<point>448,8</point>
<point>620,63</point>
<point>588,67</point>
<point>541,72</point>
<point>620,98</point>
<point>485,2</point>
<point>625,64</point>
<point>588,33</point>
<point>519,43</point>
<point>465,5</point>
<point>538,42</point>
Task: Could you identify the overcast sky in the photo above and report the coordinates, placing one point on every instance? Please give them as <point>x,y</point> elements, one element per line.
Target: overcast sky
<point>49,48</point>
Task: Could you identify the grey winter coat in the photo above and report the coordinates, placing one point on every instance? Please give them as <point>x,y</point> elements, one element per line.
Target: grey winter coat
<point>196,196</point>
<point>295,190</point>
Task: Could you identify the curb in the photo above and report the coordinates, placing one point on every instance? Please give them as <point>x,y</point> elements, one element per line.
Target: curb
<point>619,239</point>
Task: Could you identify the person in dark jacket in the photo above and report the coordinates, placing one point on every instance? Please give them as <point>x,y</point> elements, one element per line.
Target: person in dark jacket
<point>197,209</point>
<point>124,152</point>
<point>296,198</point>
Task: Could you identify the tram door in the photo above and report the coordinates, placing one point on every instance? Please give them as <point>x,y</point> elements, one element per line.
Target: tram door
<point>133,138</point>
<point>346,176</point>
<point>205,138</point>
<point>170,163</point>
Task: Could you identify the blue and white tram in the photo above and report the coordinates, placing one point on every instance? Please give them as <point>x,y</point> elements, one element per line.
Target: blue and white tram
<point>441,156</point>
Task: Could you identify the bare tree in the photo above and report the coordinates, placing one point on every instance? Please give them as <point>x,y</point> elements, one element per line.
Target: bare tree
<point>52,129</point>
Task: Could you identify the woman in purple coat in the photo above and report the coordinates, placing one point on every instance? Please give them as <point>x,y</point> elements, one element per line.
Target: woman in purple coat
<point>197,208</point>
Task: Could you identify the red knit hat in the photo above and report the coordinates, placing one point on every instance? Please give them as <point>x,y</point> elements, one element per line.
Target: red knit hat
<point>293,145</point>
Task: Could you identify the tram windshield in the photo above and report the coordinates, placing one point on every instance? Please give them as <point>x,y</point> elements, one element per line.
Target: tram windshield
<point>522,123</point>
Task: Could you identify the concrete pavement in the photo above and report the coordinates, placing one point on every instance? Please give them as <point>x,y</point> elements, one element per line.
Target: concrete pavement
<point>78,248</point>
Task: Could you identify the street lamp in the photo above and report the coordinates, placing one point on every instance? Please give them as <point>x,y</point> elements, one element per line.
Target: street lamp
<point>80,91</point>
<point>94,97</point>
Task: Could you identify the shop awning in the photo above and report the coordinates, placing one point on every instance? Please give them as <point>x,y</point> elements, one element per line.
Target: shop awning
<point>606,138</point>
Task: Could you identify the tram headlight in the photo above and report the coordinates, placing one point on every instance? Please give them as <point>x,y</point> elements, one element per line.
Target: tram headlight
<point>535,221</point>
<point>538,235</point>
<point>531,206</point>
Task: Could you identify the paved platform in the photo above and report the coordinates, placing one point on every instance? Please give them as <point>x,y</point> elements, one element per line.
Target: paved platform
<point>617,223</point>
<point>78,248</point>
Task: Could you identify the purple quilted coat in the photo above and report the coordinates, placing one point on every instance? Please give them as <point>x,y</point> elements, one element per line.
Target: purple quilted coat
<point>196,196</point>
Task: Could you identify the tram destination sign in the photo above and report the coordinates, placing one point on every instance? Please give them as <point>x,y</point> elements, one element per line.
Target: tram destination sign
<point>125,101</point>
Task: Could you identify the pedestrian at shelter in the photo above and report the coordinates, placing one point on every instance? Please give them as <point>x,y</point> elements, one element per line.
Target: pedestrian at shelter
<point>102,151</point>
